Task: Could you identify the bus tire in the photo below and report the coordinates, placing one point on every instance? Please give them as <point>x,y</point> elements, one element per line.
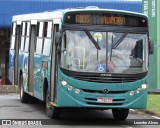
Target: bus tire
<point>120,114</point>
<point>52,112</point>
<point>24,97</point>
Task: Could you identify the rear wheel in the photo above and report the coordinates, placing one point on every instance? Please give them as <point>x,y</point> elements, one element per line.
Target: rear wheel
<point>24,97</point>
<point>120,114</point>
<point>52,111</point>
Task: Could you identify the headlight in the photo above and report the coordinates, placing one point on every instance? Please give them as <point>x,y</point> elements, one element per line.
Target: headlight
<point>64,83</point>
<point>144,86</point>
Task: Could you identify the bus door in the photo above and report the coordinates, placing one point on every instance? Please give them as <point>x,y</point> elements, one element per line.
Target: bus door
<point>54,63</point>
<point>14,53</point>
<point>31,56</point>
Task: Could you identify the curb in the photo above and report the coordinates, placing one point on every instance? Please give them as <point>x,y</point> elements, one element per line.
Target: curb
<point>151,113</point>
<point>9,89</point>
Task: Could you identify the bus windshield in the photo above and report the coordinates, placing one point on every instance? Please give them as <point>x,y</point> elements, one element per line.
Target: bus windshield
<point>119,52</point>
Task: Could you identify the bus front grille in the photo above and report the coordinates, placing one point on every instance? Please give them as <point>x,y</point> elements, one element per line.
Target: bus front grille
<point>102,92</point>
<point>106,79</point>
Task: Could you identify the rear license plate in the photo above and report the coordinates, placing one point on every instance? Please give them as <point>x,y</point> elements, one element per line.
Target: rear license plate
<point>104,100</point>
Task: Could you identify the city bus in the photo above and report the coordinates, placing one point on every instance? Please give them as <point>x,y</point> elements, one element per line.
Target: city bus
<point>87,58</point>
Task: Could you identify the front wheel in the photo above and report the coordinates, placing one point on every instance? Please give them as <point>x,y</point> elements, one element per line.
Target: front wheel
<point>52,111</point>
<point>120,114</point>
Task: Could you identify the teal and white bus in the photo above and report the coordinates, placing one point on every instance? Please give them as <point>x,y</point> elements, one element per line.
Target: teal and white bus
<point>82,58</point>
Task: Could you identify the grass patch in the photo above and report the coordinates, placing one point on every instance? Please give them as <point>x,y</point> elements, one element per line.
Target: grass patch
<point>153,103</point>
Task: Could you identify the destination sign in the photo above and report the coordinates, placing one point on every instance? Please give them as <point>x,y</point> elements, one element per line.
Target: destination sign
<point>105,19</point>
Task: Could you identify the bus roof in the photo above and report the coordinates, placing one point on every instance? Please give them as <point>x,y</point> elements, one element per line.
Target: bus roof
<point>57,14</point>
<point>95,8</point>
<point>38,16</point>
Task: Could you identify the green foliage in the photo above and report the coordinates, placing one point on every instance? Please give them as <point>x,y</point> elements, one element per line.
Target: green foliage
<point>154,103</point>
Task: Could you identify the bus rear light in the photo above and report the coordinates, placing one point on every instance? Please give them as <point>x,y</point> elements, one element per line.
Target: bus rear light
<point>131,93</point>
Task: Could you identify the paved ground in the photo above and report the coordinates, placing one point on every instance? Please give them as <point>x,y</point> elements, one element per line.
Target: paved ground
<point>12,108</point>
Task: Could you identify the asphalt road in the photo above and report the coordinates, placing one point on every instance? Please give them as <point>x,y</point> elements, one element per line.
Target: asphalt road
<point>12,108</point>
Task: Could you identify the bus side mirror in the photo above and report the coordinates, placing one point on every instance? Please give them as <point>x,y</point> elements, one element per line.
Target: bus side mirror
<point>57,38</point>
<point>151,47</point>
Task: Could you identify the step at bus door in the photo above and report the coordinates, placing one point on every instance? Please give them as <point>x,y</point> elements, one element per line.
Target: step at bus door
<point>54,67</point>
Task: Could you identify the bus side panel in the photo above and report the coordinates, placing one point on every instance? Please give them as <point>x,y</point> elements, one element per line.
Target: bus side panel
<point>25,71</point>
<point>46,71</point>
<point>41,71</point>
<point>46,62</point>
<point>38,90</point>
<point>20,63</point>
<point>11,65</point>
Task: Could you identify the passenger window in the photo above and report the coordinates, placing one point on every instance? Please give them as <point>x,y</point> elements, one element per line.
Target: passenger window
<point>23,35</point>
<point>45,29</point>
<point>22,43</point>
<point>13,36</point>
<point>14,29</point>
<point>39,45</point>
<point>40,29</point>
<point>47,38</point>
<point>27,29</point>
<point>27,44</point>
<point>23,28</point>
<point>44,32</point>
<point>39,41</point>
<point>49,29</point>
<point>47,46</point>
<point>12,42</point>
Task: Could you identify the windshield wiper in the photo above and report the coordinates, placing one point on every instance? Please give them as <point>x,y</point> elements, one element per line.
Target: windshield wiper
<point>91,38</point>
<point>120,40</point>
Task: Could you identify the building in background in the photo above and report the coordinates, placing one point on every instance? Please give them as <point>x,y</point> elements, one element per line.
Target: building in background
<point>152,9</point>
<point>8,8</point>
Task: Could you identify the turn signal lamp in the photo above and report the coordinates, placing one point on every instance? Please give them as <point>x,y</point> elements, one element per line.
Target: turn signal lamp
<point>131,93</point>
<point>77,91</point>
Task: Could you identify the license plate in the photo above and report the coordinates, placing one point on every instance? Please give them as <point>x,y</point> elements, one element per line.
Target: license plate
<point>104,100</point>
